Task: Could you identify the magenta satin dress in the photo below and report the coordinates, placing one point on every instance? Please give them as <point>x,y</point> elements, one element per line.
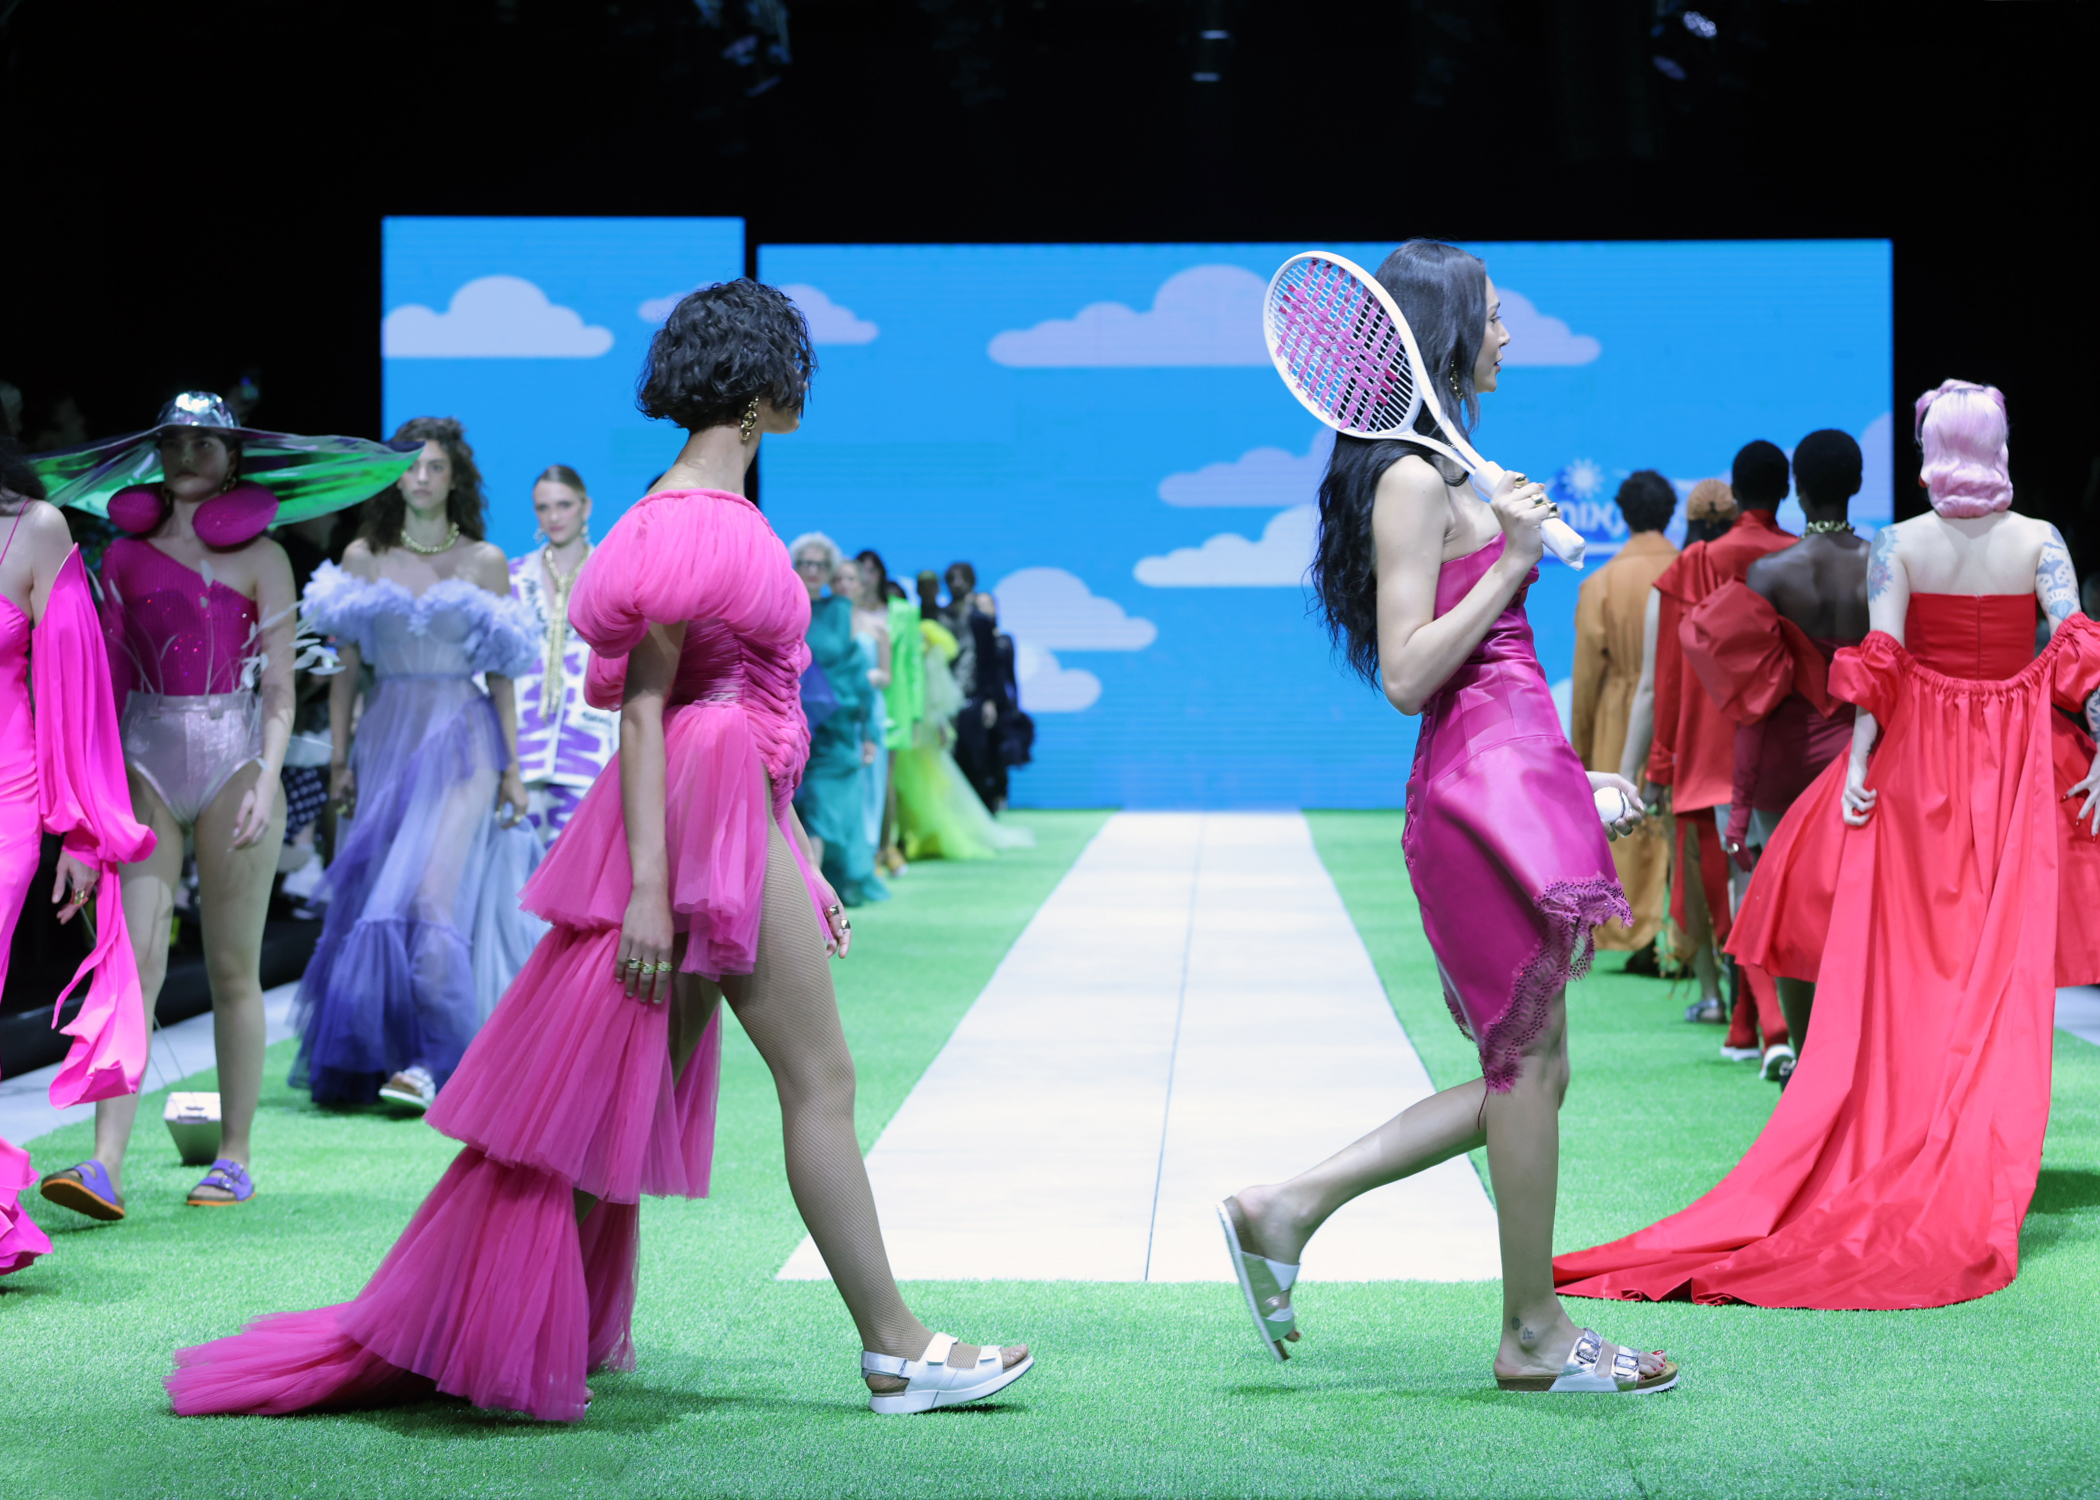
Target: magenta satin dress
<point>62,772</point>
<point>1504,846</point>
<point>494,1292</point>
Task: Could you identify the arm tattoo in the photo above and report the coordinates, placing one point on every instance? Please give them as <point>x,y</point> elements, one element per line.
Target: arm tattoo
<point>2057,581</point>
<point>1881,567</point>
<point>2092,714</point>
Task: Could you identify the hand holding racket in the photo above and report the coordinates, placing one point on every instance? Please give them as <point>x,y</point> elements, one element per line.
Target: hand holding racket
<point>1340,343</point>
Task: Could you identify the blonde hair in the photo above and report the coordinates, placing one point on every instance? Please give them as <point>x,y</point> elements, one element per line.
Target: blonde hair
<point>1711,500</point>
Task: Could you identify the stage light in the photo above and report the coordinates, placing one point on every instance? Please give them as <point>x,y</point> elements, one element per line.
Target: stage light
<point>1700,26</point>
<point>1669,67</point>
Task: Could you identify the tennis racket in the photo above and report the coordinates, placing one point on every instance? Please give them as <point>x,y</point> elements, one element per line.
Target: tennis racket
<point>1339,342</point>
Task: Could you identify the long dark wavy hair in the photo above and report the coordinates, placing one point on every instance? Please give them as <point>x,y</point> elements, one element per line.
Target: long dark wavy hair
<point>19,483</point>
<point>387,512</point>
<point>1442,291</point>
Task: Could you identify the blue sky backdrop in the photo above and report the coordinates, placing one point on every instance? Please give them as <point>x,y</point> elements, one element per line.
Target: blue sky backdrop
<point>531,331</point>
<point>1099,430</point>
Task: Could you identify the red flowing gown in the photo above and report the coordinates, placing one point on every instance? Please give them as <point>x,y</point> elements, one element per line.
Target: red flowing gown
<point>1899,1163</point>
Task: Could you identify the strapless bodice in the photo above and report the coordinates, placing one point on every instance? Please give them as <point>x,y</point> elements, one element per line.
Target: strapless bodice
<point>1982,637</point>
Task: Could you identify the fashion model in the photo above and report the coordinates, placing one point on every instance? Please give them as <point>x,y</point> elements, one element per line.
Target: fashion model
<point>1938,882</point>
<point>563,741</point>
<point>198,610</point>
<point>423,932</point>
<point>684,878</point>
<point>62,772</point>
<point>1422,586</point>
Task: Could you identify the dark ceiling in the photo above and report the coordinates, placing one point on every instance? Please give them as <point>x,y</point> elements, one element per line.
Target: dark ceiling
<point>198,188</point>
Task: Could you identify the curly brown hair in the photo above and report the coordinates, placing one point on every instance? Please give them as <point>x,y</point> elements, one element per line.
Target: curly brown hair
<point>387,512</point>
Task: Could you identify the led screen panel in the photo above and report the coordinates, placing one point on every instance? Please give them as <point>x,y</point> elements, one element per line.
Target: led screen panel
<point>1098,430</point>
<point>531,332</point>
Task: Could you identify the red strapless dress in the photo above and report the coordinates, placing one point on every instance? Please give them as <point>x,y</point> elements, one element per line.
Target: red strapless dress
<point>1899,1163</point>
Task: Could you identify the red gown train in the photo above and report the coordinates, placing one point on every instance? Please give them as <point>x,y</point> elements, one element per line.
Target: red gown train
<point>1900,1161</point>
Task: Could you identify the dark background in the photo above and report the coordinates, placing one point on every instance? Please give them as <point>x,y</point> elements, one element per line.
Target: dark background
<point>198,188</point>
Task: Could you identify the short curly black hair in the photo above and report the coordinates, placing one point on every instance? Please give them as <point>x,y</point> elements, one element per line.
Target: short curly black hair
<point>721,346</point>
<point>1647,501</point>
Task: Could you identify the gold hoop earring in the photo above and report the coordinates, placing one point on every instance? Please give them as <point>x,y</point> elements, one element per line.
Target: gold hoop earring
<point>750,420</point>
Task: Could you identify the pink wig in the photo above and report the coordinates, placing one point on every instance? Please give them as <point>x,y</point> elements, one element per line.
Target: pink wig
<point>1961,432</point>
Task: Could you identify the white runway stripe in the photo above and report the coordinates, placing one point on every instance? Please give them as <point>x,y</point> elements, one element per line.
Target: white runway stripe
<point>1190,1011</point>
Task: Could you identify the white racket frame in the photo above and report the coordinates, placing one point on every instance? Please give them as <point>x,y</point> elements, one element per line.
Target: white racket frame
<point>1561,539</point>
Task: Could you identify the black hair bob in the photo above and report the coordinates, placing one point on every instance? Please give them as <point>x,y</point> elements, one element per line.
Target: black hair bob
<point>722,346</point>
<point>1442,292</point>
<point>1647,501</point>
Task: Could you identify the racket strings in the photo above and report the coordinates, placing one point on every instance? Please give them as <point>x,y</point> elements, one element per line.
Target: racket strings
<point>1341,349</point>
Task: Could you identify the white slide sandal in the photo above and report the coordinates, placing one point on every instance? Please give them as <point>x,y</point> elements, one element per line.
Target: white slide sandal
<point>1266,1284</point>
<point>931,1381</point>
<point>1590,1369</point>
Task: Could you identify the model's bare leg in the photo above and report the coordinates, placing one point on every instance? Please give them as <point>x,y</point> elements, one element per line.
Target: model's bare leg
<point>149,907</point>
<point>1522,1135</point>
<point>234,902</point>
<point>787,1008</point>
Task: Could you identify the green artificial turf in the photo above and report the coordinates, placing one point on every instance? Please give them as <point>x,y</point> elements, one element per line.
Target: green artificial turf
<point>748,1385</point>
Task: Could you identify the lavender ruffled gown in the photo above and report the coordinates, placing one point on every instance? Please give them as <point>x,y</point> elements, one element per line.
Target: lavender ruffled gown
<point>424,931</point>
<point>1504,847</point>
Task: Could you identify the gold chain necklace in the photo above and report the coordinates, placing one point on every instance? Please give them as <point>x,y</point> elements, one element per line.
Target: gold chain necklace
<point>445,546</point>
<point>553,696</point>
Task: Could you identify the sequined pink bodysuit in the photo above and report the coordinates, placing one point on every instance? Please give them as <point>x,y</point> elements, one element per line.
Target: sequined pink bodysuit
<point>177,643</point>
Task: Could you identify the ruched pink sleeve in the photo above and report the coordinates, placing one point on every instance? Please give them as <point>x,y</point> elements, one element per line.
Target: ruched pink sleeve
<point>679,556</point>
<point>1869,674</point>
<point>2077,670</point>
<point>87,802</point>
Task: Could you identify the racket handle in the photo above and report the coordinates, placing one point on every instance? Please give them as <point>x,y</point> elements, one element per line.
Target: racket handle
<point>1563,541</point>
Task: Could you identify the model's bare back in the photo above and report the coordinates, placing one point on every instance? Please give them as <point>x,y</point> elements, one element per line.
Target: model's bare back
<point>1820,583</point>
<point>2002,553</point>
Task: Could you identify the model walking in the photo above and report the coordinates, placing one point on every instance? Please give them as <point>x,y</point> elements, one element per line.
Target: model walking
<point>1965,869</point>
<point>423,932</point>
<point>683,878</point>
<point>563,742</point>
<point>62,772</point>
<point>1422,586</point>
<point>198,609</point>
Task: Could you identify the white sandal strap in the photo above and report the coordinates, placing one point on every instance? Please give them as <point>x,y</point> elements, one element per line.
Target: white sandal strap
<point>937,1350</point>
<point>872,1363</point>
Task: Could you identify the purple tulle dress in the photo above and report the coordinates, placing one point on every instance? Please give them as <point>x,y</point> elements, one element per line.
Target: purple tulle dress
<point>1507,855</point>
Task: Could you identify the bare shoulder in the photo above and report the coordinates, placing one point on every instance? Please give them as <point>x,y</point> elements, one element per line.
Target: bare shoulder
<point>487,566</point>
<point>44,524</point>
<point>359,560</point>
<point>1411,495</point>
<point>1771,570</point>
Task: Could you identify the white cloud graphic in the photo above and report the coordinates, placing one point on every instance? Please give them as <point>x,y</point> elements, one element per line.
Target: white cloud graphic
<point>1048,688</point>
<point>1260,476</point>
<point>1229,560</point>
<point>1053,610</point>
<point>1538,339</point>
<point>1206,315</point>
<point>492,317</point>
<point>656,309</point>
<point>830,323</point>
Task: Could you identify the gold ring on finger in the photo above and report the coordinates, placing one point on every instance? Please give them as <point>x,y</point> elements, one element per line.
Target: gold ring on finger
<point>633,964</point>
<point>662,966</point>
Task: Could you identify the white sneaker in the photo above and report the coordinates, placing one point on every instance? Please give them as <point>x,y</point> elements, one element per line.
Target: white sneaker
<point>412,1088</point>
<point>1776,1057</point>
<point>1740,1054</point>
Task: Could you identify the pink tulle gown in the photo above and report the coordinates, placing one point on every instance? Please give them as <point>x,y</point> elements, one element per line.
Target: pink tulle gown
<point>1504,847</point>
<point>62,771</point>
<point>494,1292</point>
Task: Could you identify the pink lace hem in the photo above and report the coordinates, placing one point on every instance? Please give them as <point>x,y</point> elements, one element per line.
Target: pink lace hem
<point>1573,910</point>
